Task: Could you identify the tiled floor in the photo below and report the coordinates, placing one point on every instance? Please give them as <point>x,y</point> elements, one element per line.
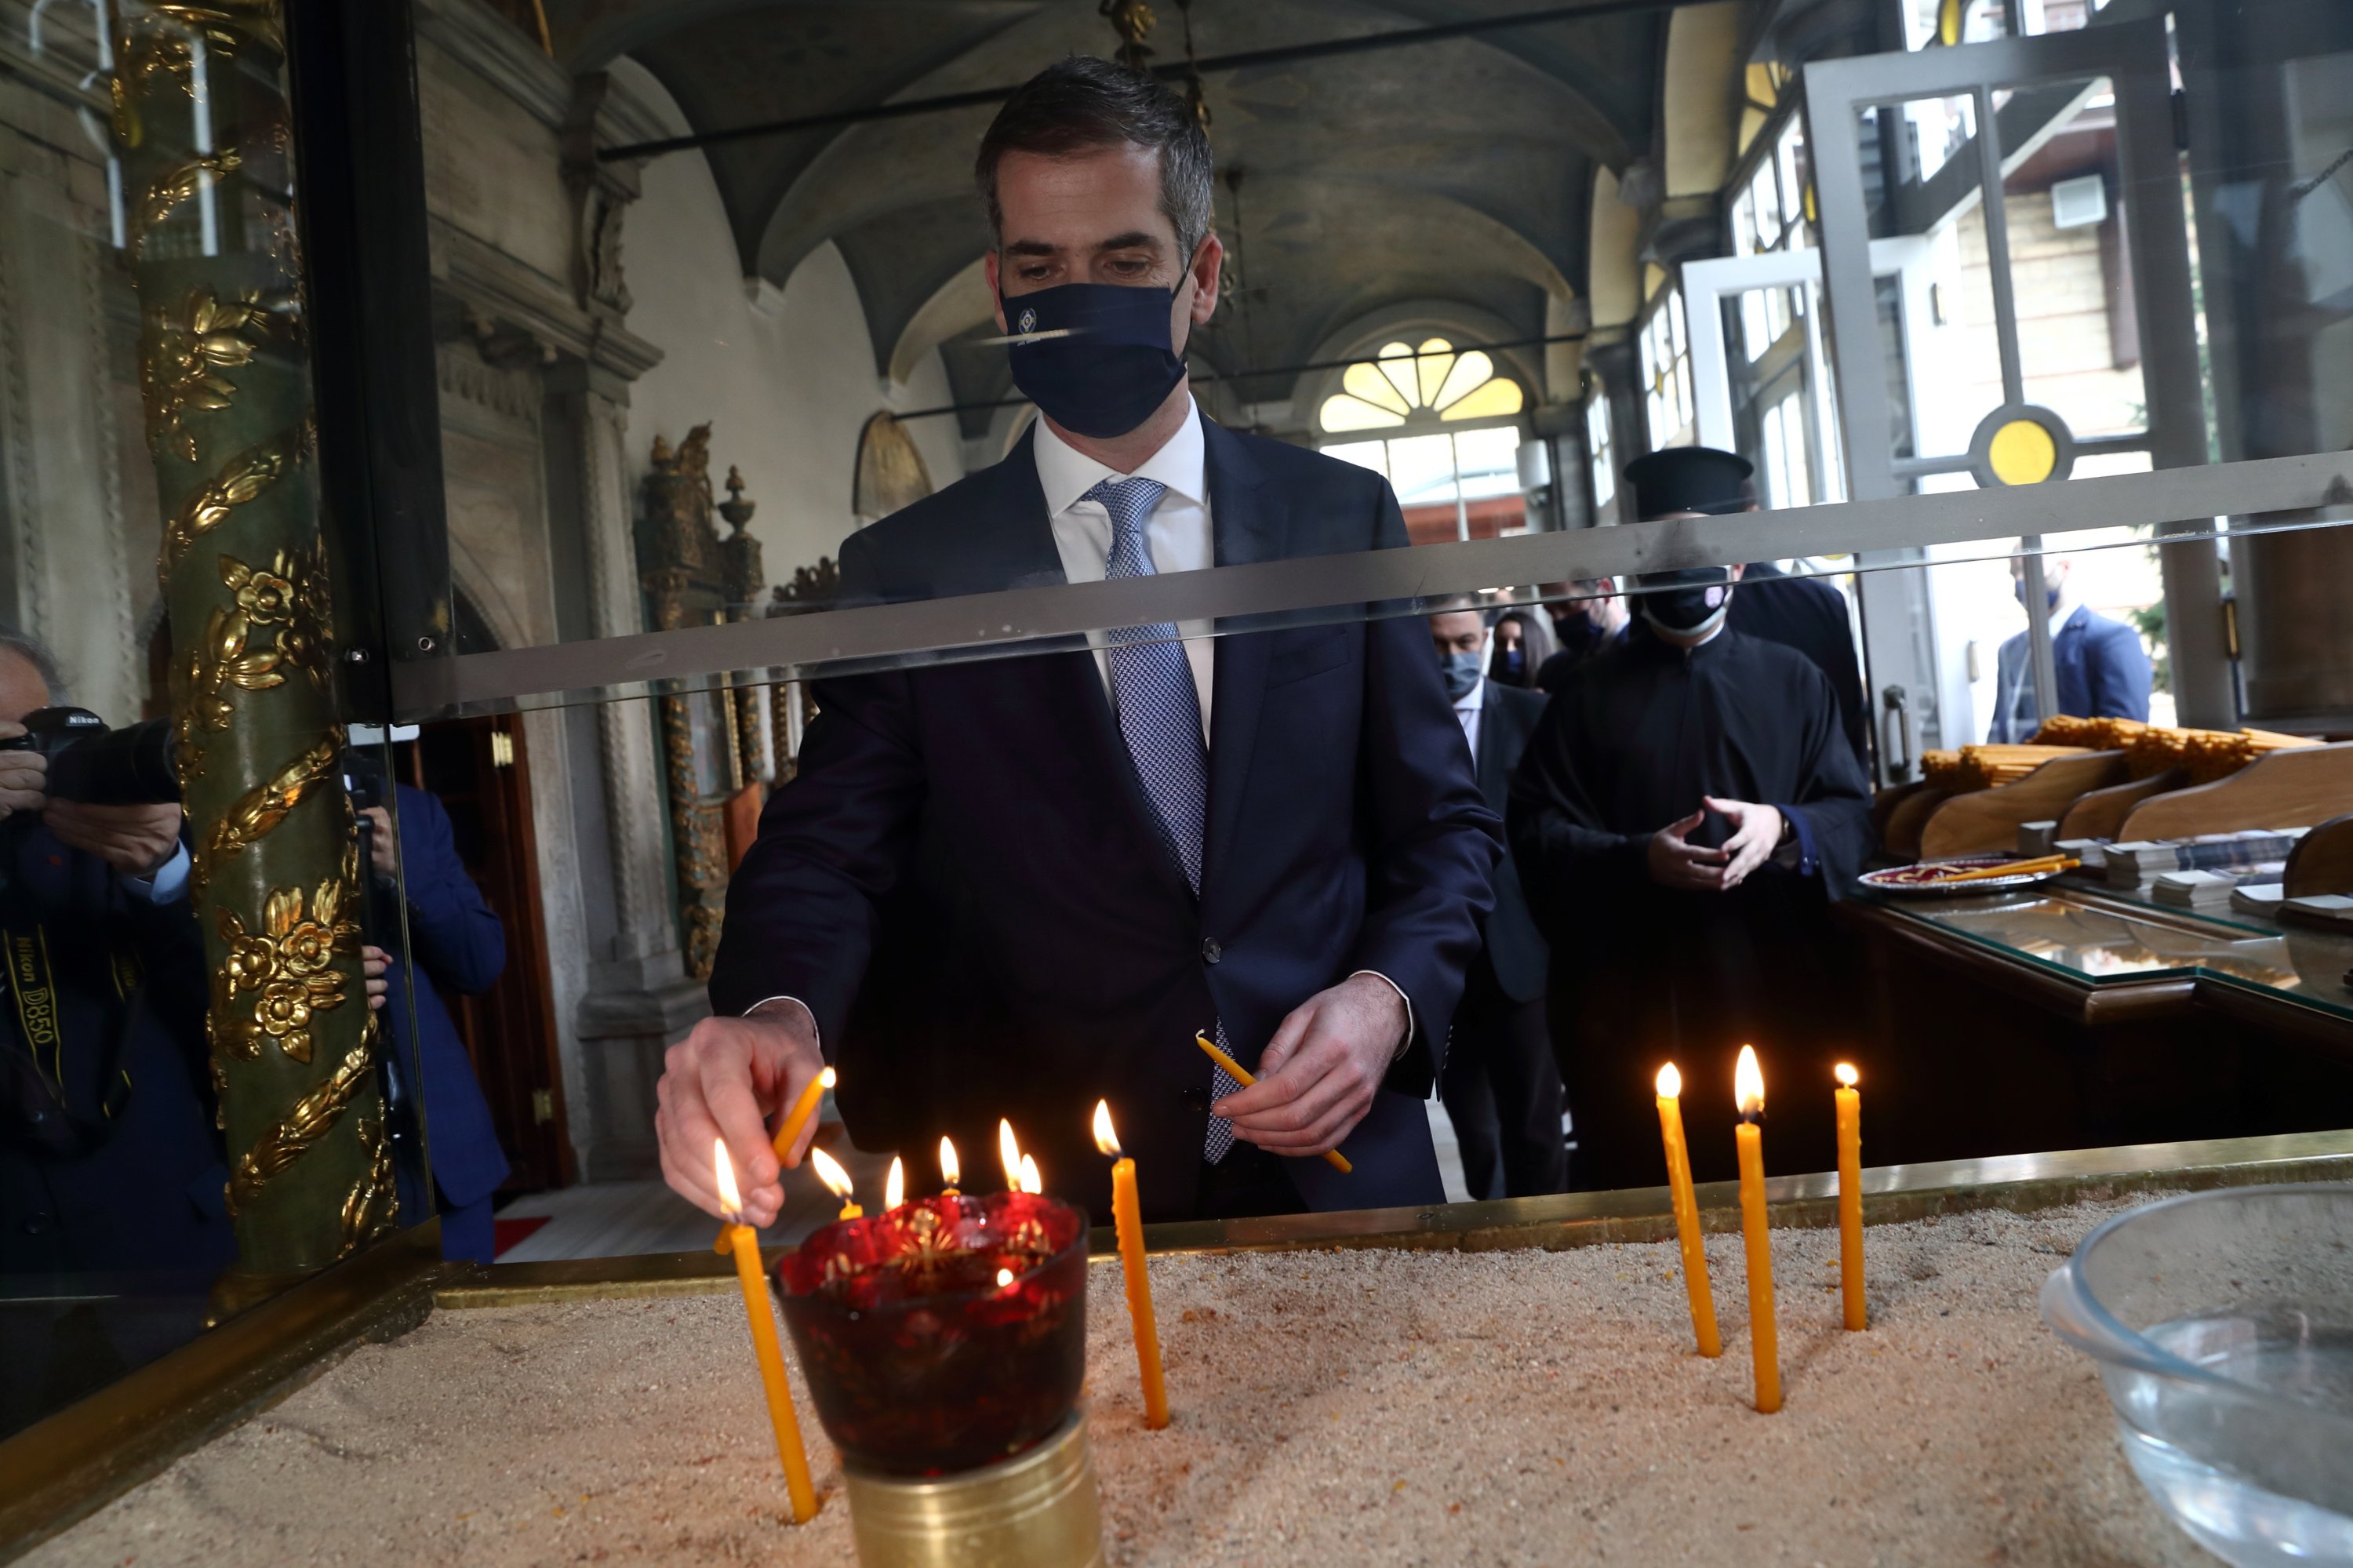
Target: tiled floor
<point>613,1219</point>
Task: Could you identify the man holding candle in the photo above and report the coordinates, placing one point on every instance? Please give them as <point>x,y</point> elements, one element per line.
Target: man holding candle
<point>1685,808</point>
<point>1269,834</point>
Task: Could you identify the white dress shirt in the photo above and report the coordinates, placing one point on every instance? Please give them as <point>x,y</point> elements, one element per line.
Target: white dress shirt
<point>1467,711</point>
<point>1179,533</point>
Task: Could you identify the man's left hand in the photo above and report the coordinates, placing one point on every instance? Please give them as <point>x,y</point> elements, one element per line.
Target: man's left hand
<point>136,840</point>
<point>1756,833</point>
<point>383,848</point>
<point>1318,1075</point>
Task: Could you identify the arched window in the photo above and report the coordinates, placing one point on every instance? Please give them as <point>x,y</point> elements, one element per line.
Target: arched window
<point>1401,385</point>
<point>1443,427</point>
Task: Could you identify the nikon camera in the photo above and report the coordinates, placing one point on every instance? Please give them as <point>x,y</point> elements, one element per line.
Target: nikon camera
<point>98,765</point>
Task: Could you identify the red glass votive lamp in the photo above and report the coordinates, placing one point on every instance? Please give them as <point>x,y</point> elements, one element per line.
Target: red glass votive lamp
<point>944,1335</point>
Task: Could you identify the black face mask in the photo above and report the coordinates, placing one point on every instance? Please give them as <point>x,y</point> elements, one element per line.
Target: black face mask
<point>1114,363</point>
<point>1577,633</point>
<point>1686,602</point>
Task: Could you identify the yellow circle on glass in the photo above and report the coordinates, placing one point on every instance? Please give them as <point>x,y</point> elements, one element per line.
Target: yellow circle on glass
<point>2022,452</point>
<point>1948,23</point>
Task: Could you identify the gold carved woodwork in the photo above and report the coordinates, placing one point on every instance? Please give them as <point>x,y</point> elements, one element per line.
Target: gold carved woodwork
<point>790,703</point>
<point>305,1124</point>
<point>244,477</point>
<point>711,735</point>
<point>374,1202</point>
<point>187,353</point>
<point>263,807</point>
<point>288,964</point>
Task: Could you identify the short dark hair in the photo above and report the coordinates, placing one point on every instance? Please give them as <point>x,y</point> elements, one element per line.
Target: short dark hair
<point>1082,102</point>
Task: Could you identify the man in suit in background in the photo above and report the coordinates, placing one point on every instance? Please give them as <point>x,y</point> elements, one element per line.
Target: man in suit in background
<point>456,944</point>
<point>1501,1085</point>
<point>2103,671</point>
<point>1267,833</point>
<point>1587,619</point>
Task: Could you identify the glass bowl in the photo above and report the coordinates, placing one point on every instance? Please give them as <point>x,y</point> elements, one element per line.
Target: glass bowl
<point>945,1334</point>
<point>2222,1324</point>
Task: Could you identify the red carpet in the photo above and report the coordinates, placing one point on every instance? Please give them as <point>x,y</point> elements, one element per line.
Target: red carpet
<point>506,1234</point>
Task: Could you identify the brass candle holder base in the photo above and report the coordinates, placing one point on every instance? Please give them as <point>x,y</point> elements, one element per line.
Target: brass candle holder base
<point>1037,1510</point>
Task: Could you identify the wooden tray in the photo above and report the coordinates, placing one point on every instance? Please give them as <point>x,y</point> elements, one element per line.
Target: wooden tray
<point>2100,813</point>
<point>1985,821</point>
<point>2294,787</point>
<point>1900,835</point>
<point>2321,862</point>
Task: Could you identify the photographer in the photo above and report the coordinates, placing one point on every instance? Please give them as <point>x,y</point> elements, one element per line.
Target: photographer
<point>109,1159</point>
<point>457,945</point>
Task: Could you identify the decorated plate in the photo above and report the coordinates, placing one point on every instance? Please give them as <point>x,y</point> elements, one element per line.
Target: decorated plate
<point>1935,877</point>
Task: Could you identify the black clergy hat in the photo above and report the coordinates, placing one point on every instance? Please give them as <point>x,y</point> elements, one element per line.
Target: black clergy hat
<point>1690,479</point>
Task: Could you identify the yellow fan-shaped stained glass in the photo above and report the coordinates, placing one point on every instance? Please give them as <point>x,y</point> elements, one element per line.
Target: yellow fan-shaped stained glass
<point>1399,381</point>
<point>1397,366</point>
<point>1485,401</point>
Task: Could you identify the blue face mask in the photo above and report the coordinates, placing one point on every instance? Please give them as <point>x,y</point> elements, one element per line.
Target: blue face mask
<point>1114,365</point>
<point>1509,663</point>
<point>2017,591</point>
<point>1461,671</point>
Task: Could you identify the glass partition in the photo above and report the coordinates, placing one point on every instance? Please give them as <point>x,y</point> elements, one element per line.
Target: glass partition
<point>642,478</point>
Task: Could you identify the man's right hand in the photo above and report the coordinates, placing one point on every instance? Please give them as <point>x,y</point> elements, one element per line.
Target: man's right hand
<point>1677,863</point>
<point>23,775</point>
<point>725,1080</point>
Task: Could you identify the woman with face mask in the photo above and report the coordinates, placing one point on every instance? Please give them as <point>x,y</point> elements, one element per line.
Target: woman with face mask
<point>1687,809</point>
<point>1522,640</point>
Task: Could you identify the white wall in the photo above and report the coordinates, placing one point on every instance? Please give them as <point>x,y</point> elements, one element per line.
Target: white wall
<point>786,389</point>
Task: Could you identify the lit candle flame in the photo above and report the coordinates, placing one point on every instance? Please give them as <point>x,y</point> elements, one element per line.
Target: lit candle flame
<point>951,1168</point>
<point>1671,1082</point>
<point>1030,1181</point>
<point>1748,1083</point>
<point>1008,1151</point>
<point>1845,1074</point>
<point>1106,1139</point>
<point>723,1170</point>
<point>894,1186</point>
<point>1004,1277</point>
<point>827,1078</point>
<point>830,1171</point>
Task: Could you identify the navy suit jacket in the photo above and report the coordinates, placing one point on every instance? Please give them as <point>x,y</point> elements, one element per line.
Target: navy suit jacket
<point>965,885</point>
<point>456,943</point>
<point>131,973</point>
<point>1516,951</point>
<point>2103,672</point>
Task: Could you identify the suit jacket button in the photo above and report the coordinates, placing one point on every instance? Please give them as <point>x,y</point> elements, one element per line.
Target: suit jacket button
<point>1196,1098</point>
<point>1210,951</point>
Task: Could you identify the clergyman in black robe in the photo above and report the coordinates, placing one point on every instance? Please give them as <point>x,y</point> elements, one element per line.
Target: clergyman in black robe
<point>1683,817</point>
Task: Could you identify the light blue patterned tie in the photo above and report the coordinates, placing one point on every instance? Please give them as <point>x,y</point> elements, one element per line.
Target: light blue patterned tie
<point>1160,719</point>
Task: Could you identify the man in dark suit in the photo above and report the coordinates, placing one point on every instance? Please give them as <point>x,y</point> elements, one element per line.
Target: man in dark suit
<point>1262,832</point>
<point>1501,1085</point>
<point>454,943</point>
<point>2103,671</point>
<point>1810,616</point>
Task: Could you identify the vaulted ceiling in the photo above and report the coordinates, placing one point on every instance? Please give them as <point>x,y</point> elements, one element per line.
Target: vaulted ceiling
<point>1453,175</point>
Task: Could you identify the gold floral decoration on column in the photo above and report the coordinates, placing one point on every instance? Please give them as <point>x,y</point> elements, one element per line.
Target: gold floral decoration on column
<point>289,962</point>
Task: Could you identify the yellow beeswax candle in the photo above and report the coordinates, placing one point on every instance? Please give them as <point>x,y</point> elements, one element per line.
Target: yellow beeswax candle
<point>1127,1215</point>
<point>1686,1205</point>
<point>788,1131</point>
<point>1763,1338</point>
<point>1331,1157</point>
<point>1849,1158</point>
<point>759,1308</point>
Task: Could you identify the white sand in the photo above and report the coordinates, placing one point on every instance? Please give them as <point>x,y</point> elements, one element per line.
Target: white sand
<point>1344,1408</point>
